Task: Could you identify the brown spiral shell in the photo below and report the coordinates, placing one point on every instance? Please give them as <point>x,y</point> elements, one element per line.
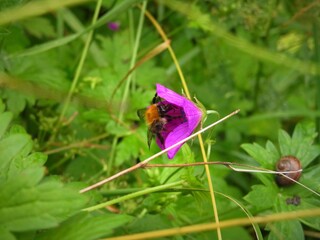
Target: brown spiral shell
<point>288,163</point>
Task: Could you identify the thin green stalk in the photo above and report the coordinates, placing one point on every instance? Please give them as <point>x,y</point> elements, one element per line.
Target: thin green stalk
<point>127,86</point>
<point>79,68</point>
<point>134,195</point>
<point>186,90</point>
<point>133,59</point>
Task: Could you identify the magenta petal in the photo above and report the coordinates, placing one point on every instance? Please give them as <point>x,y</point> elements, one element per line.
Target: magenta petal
<point>177,131</point>
<point>170,95</point>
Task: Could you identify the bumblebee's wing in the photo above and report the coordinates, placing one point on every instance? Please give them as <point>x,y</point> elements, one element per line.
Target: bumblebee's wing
<point>150,136</point>
<point>141,113</point>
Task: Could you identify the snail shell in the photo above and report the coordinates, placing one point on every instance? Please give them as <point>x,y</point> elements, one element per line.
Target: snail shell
<point>288,163</point>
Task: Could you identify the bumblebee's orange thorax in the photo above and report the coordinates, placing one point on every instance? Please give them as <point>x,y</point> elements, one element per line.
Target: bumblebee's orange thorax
<point>152,114</point>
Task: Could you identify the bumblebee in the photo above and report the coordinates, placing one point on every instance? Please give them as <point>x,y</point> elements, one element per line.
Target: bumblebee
<point>156,118</point>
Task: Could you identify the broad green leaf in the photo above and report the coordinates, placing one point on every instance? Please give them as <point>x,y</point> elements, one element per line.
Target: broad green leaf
<point>310,203</point>
<point>302,139</point>
<point>5,234</point>
<point>284,143</point>
<point>261,197</point>
<point>285,230</point>
<point>271,148</point>
<point>12,147</point>
<point>86,226</point>
<point>20,163</point>
<point>127,149</point>
<point>28,204</point>
<point>310,155</point>
<point>5,119</point>
<point>117,129</point>
<point>39,27</point>
<point>10,3</point>
<point>261,155</point>
<point>16,102</point>
<point>300,145</point>
<point>2,106</point>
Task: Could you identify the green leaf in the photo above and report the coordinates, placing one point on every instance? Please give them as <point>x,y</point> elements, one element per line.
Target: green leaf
<point>2,106</point>
<point>27,205</point>
<point>285,230</point>
<point>266,157</point>
<point>274,153</point>
<point>11,147</point>
<point>261,197</point>
<point>128,148</point>
<point>16,102</point>
<point>5,234</point>
<point>284,143</point>
<point>300,145</point>
<point>39,27</point>
<point>86,226</point>
<point>20,163</point>
<point>310,203</point>
<point>10,3</point>
<point>5,119</point>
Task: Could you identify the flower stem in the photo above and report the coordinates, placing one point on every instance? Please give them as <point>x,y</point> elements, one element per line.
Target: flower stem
<point>134,195</point>
<point>186,90</point>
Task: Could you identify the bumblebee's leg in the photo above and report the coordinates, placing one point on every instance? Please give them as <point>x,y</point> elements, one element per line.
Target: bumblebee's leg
<point>150,136</point>
<point>160,139</point>
<point>156,99</point>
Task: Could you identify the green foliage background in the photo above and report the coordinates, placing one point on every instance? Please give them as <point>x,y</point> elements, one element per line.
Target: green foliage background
<point>65,126</point>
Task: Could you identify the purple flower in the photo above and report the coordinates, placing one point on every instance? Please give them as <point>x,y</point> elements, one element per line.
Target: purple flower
<point>182,117</point>
<point>114,26</point>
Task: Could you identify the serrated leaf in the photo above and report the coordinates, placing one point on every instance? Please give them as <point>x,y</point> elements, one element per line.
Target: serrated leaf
<point>300,145</point>
<point>5,119</point>
<point>39,27</point>
<point>11,147</point>
<point>5,234</point>
<point>2,106</point>
<point>26,205</point>
<point>16,102</point>
<point>311,203</point>
<point>20,163</point>
<point>261,197</point>
<point>286,230</point>
<point>284,143</point>
<point>271,148</point>
<point>261,155</point>
<point>86,226</point>
<point>128,148</point>
<point>116,129</point>
<point>10,3</point>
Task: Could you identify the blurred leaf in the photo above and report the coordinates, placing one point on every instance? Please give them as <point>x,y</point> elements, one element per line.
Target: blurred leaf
<point>261,197</point>
<point>82,168</point>
<point>266,157</point>
<point>285,230</point>
<point>5,119</point>
<point>11,147</point>
<point>5,234</point>
<point>116,129</point>
<point>86,226</point>
<point>10,3</point>
<point>28,204</point>
<point>127,150</point>
<point>309,203</point>
<point>39,27</point>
